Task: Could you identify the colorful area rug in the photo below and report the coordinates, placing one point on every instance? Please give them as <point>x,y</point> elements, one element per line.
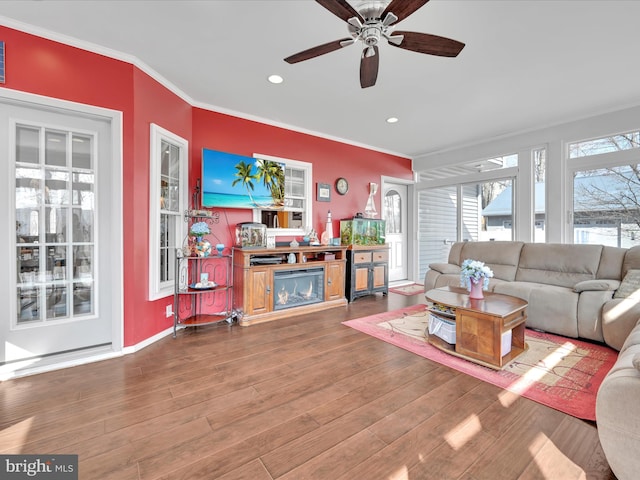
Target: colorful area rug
<point>413,289</point>
<point>562,373</point>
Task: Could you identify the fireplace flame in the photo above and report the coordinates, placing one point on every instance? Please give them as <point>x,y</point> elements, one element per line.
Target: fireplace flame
<point>307,293</point>
<point>283,296</point>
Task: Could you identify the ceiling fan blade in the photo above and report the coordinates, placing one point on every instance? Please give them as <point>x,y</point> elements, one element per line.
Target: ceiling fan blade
<point>341,9</point>
<point>402,8</point>
<point>319,50</point>
<point>369,66</point>
<point>430,44</point>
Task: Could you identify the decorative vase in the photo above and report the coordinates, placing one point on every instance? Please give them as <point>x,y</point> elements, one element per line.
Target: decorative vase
<point>475,291</point>
<point>201,247</point>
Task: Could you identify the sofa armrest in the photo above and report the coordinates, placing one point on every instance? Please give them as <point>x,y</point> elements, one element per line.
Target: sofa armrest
<point>596,285</point>
<point>445,268</point>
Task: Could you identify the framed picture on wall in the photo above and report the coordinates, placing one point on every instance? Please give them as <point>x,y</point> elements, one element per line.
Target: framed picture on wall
<point>324,192</point>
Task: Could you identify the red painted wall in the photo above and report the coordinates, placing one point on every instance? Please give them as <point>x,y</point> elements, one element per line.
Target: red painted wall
<point>41,66</point>
<point>330,160</point>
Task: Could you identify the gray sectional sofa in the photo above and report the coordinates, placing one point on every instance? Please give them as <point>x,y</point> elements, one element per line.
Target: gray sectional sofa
<point>580,291</point>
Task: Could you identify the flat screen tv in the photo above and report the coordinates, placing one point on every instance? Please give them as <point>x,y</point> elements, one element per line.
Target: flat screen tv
<point>237,181</point>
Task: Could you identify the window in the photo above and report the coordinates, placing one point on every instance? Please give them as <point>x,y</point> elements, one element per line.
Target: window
<point>598,146</point>
<point>605,190</point>
<point>295,218</point>
<point>55,195</point>
<point>168,201</point>
<point>539,157</point>
<point>393,212</point>
<point>469,202</point>
<point>606,206</point>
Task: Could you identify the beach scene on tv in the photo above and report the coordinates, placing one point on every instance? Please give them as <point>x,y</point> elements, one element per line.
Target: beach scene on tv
<point>237,181</point>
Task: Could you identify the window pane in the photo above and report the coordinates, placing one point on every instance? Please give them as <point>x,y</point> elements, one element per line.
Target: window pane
<point>56,301</point>
<point>539,194</point>
<point>614,143</point>
<point>83,190</point>
<point>81,152</point>
<point>168,228</point>
<point>393,206</point>
<point>497,210</point>
<point>27,145</point>
<point>82,224</point>
<point>83,294</point>
<point>29,189</point>
<point>606,208</point>
<point>56,187</point>
<point>28,304</point>
<point>55,153</point>
<point>83,262</point>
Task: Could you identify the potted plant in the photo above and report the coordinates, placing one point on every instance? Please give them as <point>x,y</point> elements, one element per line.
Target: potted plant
<point>475,275</point>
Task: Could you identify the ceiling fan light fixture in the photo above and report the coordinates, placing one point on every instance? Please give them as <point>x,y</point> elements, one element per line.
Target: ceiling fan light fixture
<point>275,79</point>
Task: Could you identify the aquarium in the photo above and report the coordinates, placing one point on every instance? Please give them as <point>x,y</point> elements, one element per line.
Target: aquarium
<point>251,235</point>
<point>362,231</point>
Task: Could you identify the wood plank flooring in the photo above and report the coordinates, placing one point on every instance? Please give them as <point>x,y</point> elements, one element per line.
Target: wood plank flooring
<point>298,398</point>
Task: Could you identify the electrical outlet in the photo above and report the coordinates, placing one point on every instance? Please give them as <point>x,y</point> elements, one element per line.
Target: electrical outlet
<point>169,310</point>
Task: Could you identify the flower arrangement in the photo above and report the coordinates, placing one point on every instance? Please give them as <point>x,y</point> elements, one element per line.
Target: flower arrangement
<point>473,270</point>
<point>199,229</point>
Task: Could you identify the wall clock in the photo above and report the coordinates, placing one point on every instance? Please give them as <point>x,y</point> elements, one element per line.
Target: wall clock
<point>342,186</point>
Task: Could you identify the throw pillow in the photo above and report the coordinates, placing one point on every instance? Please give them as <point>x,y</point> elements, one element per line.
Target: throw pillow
<point>630,286</point>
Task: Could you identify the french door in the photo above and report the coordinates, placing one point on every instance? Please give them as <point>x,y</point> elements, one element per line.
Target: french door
<point>59,279</point>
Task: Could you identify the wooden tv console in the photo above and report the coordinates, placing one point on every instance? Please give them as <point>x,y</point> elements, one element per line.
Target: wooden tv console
<point>253,279</point>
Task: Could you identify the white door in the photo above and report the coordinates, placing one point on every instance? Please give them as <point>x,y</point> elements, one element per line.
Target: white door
<point>394,207</point>
<point>57,276</point>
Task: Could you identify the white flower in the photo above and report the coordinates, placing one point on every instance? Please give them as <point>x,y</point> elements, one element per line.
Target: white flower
<point>476,271</point>
<point>199,229</point>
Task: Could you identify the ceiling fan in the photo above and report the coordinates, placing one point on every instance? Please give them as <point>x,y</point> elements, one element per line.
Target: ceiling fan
<point>373,22</point>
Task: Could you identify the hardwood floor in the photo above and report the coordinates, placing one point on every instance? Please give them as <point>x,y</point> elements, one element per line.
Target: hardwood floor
<point>300,398</point>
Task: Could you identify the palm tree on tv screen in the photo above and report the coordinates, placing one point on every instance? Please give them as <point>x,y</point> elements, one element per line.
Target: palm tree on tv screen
<point>272,175</point>
<point>246,177</point>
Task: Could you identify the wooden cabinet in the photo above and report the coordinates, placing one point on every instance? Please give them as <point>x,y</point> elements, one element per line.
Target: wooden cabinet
<point>334,288</point>
<point>261,291</point>
<point>367,271</point>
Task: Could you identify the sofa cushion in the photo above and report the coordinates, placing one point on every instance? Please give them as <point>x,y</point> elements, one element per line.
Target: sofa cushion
<point>611,262</point>
<point>596,285</point>
<point>445,268</point>
<point>454,253</point>
<point>630,286</point>
<point>501,257</point>
<point>558,264</point>
<point>631,260</point>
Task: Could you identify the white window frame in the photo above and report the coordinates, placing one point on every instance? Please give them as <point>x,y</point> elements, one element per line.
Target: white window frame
<point>591,162</point>
<point>158,289</point>
<point>307,218</point>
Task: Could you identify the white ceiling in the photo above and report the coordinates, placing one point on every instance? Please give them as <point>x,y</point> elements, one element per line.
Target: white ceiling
<point>527,64</point>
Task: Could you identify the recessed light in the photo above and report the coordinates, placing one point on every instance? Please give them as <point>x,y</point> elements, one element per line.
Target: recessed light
<point>275,79</point>
<point>392,120</point>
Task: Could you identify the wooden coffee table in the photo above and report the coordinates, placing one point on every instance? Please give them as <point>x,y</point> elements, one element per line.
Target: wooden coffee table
<point>480,325</point>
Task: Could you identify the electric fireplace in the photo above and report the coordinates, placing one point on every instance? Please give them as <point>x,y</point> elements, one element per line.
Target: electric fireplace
<point>296,287</point>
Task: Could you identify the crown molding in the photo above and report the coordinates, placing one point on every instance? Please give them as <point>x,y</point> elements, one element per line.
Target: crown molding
<point>136,62</point>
